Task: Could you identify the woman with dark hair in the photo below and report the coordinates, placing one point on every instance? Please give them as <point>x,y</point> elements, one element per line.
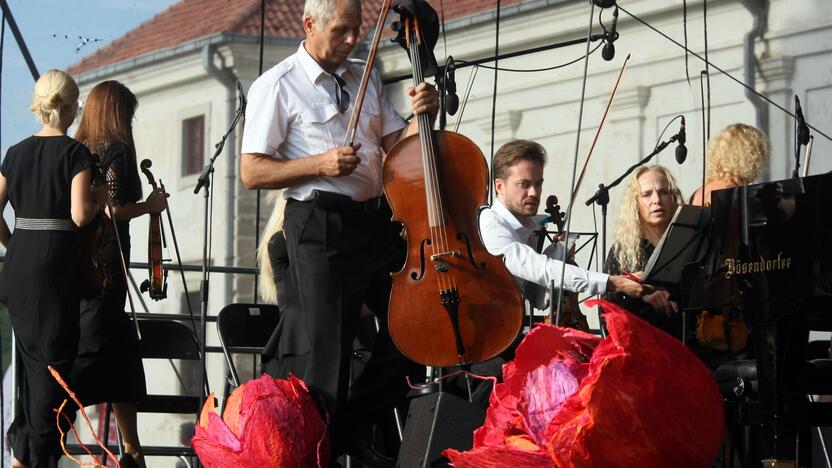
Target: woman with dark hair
<point>108,367</point>
<point>46,178</point>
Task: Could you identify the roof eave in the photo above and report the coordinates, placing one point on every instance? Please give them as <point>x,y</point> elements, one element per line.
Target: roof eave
<point>178,50</point>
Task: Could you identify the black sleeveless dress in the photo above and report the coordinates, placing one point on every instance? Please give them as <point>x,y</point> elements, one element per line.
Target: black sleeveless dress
<point>109,367</point>
<point>40,285</point>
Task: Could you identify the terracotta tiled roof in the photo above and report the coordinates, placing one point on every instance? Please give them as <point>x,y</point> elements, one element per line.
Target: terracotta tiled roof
<point>189,20</point>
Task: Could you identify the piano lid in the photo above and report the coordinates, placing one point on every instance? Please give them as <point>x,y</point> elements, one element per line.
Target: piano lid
<point>767,242</point>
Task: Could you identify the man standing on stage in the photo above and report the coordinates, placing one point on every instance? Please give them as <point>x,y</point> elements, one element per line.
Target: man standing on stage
<point>340,239</point>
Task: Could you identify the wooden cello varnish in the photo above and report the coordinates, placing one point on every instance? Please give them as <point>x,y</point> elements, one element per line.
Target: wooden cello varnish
<point>453,302</point>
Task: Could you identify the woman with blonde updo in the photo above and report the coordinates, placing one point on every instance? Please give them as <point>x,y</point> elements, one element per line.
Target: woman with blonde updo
<point>46,178</point>
<point>648,205</point>
<point>736,157</point>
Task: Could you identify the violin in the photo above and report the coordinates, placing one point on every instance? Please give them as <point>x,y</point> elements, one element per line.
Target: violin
<point>93,237</point>
<point>156,285</point>
<point>715,332</point>
<point>452,303</point>
<point>570,314</point>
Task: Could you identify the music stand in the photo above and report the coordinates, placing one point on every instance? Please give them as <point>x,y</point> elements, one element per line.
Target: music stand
<point>679,246</point>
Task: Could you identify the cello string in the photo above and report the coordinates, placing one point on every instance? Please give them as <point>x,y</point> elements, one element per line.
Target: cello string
<point>430,193</point>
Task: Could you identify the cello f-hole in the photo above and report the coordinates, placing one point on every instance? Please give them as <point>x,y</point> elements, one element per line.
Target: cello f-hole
<point>464,238</point>
<point>418,275</point>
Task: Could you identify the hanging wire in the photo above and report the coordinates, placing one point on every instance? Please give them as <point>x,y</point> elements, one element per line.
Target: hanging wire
<point>535,70</point>
<point>494,104</point>
<point>2,392</point>
<point>661,135</point>
<point>257,206</point>
<point>728,75</point>
<point>707,66</point>
<point>685,31</point>
<point>575,161</point>
<point>468,87</point>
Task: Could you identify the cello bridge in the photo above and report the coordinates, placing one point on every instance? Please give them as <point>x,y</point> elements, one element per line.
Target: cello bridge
<point>455,253</point>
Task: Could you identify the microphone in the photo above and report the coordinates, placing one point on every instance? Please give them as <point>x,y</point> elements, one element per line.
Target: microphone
<point>608,52</point>
<point>802,128</point>
<point>681,150</point>
<point>243,101</point>
<point>604,3</point>
<point>451,99</point>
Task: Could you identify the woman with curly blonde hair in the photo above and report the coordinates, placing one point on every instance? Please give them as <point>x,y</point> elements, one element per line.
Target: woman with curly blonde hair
<point>737,156</point>
<point>648,205</point>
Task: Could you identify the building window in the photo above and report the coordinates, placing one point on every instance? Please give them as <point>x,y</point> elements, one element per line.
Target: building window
<point>193,145</point>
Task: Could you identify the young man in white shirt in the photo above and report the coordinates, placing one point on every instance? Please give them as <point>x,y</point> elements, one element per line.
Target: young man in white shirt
<point>507,227</point>
<point>339,236</point>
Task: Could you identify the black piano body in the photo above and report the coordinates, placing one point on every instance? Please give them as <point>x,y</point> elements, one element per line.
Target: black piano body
<point>768,255</point>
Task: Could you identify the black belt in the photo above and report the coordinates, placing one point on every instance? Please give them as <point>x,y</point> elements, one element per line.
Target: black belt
<point>331,201</point>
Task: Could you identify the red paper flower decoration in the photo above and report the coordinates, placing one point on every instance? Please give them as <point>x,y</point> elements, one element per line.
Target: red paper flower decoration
<point>267,422</point>
<point>636,398</point>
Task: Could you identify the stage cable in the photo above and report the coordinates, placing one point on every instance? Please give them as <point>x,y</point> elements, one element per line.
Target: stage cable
<point>2,374</point>
<point>702,75</point>
<point>494,104</point>
<point>444,33</point>
<point>468,87</point>
<point>707,66</point>
<point>717,68</point>
<point>534,70</point>
<point>257,204</point>
<point>575,162</point>
<point>685,32</point>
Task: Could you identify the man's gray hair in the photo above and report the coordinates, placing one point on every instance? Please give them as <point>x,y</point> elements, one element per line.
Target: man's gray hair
<point>322,11</point>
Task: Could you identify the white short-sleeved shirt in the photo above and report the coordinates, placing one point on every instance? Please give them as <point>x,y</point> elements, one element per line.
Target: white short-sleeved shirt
<point>504,234</point>
<point>292,113</point>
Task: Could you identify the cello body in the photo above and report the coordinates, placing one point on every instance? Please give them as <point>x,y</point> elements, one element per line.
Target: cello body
<point>446,259</point>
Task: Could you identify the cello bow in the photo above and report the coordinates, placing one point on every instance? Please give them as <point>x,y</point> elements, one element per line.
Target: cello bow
<point>352,126</point>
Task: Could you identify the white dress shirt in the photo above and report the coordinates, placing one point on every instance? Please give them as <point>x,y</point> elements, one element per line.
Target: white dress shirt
<point>504,234</point>
<point>292,113</point>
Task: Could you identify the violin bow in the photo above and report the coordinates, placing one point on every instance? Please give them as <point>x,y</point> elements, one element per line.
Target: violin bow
<point>580,179</point>
<point>600,127</point>
<point>352,127</point>
<point>124,270</point>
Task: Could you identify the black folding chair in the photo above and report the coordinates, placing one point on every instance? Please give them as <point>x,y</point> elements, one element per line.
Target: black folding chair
<point>161,339</point>
<point>244,329</point>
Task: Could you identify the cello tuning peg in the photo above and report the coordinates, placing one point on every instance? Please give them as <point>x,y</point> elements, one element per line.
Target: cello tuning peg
<point>396,26</point>
<point>145,286</point>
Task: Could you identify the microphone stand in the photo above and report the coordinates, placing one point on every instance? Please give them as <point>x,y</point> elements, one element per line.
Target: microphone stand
<point>205,181</point>
<point>602,196</point>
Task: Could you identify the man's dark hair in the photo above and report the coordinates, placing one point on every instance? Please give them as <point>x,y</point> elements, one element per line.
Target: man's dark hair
<point>514,151</point>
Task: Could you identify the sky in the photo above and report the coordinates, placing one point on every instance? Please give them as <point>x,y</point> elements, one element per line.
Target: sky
<point>53,32</point>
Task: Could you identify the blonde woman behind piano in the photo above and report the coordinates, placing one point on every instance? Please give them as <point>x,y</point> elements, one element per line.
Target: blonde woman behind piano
<point>736,157</point>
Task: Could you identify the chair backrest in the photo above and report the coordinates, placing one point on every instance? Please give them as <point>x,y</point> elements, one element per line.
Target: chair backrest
<point>167,339</point>
<point>246,328</point>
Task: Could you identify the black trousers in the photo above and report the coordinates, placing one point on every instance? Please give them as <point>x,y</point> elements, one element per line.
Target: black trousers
<point>340,258</point>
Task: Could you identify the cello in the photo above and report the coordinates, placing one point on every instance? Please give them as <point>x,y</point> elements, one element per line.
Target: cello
<point>452,303</point>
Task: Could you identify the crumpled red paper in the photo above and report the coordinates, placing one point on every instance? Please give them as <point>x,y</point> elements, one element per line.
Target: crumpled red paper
<point>267,422</point>
<point>636,398</point>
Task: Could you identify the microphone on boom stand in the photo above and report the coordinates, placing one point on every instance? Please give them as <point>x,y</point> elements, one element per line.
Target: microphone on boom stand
<point>681,150</point>
<point>801,136</point>
<point>451,99</point>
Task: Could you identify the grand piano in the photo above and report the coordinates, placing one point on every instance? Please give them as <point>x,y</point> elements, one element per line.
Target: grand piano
<point>767,256</point>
